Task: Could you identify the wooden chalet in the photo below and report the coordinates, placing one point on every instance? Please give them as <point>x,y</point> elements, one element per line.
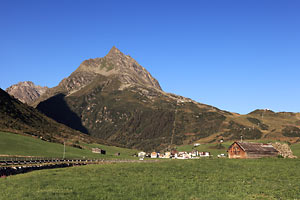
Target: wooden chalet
<point>251,150</point>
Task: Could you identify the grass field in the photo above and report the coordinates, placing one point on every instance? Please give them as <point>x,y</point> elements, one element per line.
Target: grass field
<point>185,179</point>
<point>296,149</point>
<point>173,179</point>
<point>14,144</point>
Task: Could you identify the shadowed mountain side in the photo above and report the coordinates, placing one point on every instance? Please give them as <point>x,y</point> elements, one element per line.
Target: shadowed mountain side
<point>57,108</point>
<point>135,117</point>
<point>17,117</point>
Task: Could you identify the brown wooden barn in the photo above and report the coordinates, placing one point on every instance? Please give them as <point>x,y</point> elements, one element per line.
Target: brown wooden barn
<point>251,150</point>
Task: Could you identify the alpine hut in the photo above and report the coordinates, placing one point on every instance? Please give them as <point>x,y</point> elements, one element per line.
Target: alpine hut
<point>251,150</point>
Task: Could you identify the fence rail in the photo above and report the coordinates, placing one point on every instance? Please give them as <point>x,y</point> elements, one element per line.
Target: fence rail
<point>12,167</point>
<point>38,160</point>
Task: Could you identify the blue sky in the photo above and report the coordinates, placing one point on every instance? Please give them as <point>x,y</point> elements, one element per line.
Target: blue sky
<point>235,55</point>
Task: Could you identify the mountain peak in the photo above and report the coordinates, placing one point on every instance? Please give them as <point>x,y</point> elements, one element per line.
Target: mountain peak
<point>128,70</point>
<point>26,92</point>
<point>114,51</point>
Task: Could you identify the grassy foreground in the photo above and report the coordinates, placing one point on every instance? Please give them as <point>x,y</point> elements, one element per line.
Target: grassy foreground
<point>185,179</point>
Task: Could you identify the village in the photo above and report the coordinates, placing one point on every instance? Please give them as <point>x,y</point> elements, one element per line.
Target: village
<point>237,150</point>
<point>174,154</point>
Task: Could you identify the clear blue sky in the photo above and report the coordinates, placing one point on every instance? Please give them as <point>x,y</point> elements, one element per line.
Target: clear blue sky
<point>236,55</point>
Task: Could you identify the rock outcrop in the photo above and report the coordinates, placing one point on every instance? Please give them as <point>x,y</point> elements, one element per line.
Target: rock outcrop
<point>284,150</point>
<point>26,92</point>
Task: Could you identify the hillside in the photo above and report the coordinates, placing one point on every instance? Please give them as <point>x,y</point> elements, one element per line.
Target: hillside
<point>260,124</point>
<point>116,99</point>
<point>19,145</point>
<point>20,118</point>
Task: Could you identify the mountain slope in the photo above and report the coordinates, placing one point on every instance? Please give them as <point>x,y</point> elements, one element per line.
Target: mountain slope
<point>116,99</point>
<point>26,92</point>
<point>21,118</point>
<point>135,116</point>
<point>260,124</point>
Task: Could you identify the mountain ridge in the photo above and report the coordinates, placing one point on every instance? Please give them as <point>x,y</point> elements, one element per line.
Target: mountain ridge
<point>117,100</point>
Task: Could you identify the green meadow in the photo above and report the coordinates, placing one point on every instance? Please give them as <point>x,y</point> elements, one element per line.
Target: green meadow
<point>296,149</point>
<point>14,144</point>
<point>174,179</point>
<point>206,178</point>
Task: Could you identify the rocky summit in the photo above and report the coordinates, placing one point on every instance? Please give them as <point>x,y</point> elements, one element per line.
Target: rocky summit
<point>116,63</point>
<point>26,92</point>
<point>116,99</point>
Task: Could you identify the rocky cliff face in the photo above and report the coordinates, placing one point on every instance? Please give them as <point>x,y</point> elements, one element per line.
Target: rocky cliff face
<point>26,92</point>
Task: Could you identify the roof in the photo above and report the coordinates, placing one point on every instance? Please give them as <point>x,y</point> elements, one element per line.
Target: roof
<point>261,148</point>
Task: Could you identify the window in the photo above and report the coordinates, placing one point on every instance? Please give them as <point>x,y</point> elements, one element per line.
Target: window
<point>236,150</point>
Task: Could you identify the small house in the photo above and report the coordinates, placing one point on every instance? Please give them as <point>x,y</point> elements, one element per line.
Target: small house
<point>251,150</point>
<point>204,154</point>
<point>194,153</point>
<point>174,153</point>
<point>183,155</point>
<point>141,154</point>
<point>97,150</point>
<point>154,155</point>
<point>167,154</point>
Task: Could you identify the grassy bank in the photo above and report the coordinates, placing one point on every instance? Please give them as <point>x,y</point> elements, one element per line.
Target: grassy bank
<point>14,144</point>
<point>185,179</point>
